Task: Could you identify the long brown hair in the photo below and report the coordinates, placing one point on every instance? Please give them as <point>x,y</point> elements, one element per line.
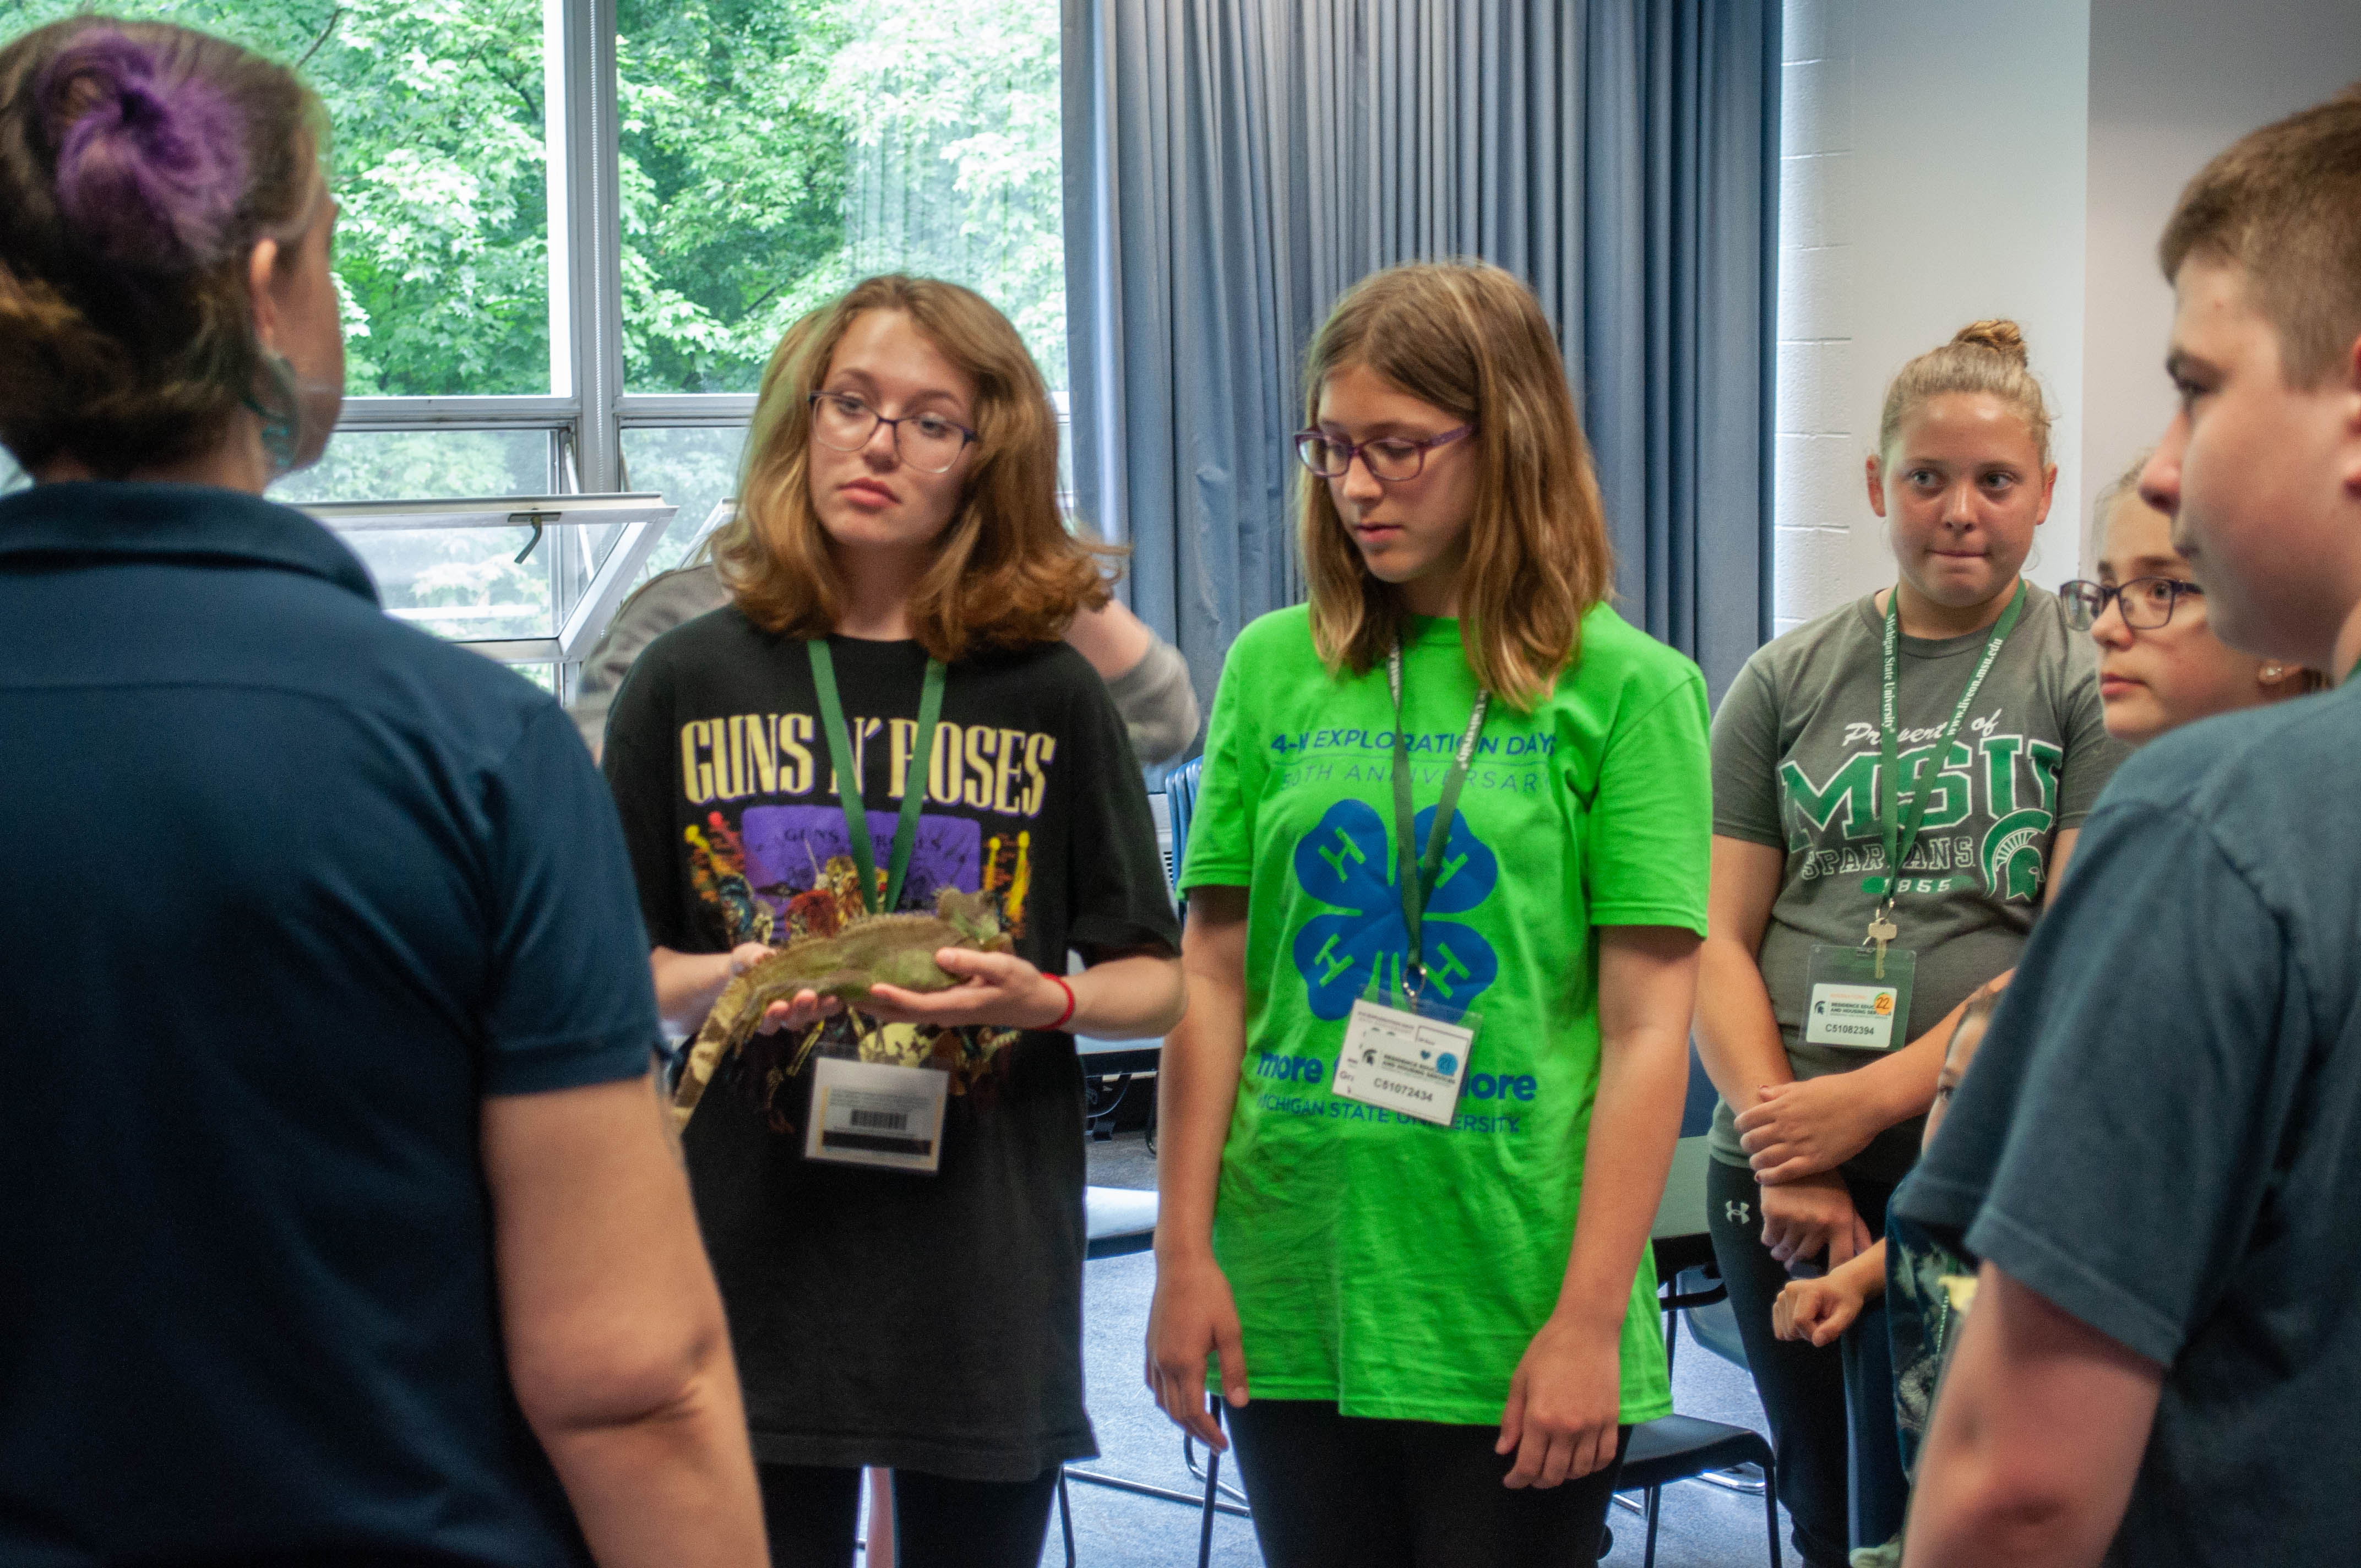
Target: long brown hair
<point>1469,338</point>
<point>139,164</point>
<point>1006,572</point>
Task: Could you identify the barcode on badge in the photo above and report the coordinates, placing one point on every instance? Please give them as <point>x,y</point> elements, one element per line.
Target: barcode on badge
<point>881,1121</point>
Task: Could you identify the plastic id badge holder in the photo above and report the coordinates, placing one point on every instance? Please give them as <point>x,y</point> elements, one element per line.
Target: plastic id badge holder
<point>1850,1004</point>
<point>869,1113</point>
<point>1407,1055</point>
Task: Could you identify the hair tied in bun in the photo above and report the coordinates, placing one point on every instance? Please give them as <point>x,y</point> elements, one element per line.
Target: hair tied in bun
<point>148,171</point>
<point>2004,338</point>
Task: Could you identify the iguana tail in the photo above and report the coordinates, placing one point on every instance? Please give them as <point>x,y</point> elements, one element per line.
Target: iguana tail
<point>714,1042</point>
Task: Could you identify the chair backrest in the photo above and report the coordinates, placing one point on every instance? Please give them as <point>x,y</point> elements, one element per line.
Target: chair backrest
<point>1681,1213</point>
<point>1180,802</point>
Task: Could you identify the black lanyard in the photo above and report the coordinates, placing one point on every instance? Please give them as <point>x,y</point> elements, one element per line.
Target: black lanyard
<point>848,778</point>
<point>1901,839</point>
<point>1417,874</point>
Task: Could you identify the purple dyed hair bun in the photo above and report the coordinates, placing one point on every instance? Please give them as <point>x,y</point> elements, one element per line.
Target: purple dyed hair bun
<point>151,171</point>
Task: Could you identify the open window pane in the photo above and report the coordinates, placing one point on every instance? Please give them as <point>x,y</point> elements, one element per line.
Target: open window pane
<point>424,465</point>
<point>439,157</point>
<point>462,583</point>
<point>775,151</point>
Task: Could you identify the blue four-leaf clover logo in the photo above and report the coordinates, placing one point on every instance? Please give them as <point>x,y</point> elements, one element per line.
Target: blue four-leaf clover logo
<point>1348,862</point>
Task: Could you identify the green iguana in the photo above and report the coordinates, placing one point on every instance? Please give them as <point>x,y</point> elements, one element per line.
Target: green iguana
<point>878,949</point>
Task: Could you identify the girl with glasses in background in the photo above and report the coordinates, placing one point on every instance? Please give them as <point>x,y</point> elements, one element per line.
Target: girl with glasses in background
<point>2160,665</point>
<point>1454,803</point>
<point>903,1274</point>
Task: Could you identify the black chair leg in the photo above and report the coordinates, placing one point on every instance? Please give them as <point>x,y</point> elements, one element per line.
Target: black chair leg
<point>1213,1493</point>
<point>1066,1516</point>
<point>1771,1507</point>
<point>1655,1495</point>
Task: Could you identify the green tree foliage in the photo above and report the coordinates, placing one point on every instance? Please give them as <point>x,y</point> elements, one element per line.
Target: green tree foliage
<point>775,151</point>
<point>733,178</point>
<point>956,163</point>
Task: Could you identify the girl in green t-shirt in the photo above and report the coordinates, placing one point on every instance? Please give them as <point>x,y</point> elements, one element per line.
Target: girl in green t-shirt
<point>1437,1288</point>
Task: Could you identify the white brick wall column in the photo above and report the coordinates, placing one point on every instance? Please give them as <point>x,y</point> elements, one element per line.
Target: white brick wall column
<point>1816,493</point>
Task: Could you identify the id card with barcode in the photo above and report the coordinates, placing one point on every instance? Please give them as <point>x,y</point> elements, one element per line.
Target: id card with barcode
<point>869,1113</point>
<point>1852,1003</point>
<point>1410,1060</point>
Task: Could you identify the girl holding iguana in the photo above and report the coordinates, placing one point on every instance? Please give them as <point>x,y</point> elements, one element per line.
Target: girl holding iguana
<point>892,1196</point>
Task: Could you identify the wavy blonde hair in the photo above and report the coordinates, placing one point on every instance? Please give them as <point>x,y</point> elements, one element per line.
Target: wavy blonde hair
<point>1006,572</point>
<point>1470,339</point>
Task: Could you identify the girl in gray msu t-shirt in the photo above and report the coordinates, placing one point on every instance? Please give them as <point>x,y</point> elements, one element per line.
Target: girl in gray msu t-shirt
<point>1963,477</point>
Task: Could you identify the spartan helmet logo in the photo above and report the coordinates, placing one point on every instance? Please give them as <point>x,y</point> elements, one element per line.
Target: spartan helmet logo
<point>1738,1213</point>
<point>2010,854</point>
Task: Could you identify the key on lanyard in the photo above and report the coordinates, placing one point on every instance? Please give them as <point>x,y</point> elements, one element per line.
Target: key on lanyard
<point>1882,930</point>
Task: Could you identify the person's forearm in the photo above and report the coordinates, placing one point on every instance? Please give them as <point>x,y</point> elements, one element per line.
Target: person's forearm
<point>687,984</point>
<point>1128,998</point>
<point>618,1348</point>
<point>1737,1035</point>
<point>1196,1094</point>
<point>1634,1122</point>
<point>1901,1084</point>
<point>1113,639</point>
<point>1864,1275</point>
<point>672,1488</point>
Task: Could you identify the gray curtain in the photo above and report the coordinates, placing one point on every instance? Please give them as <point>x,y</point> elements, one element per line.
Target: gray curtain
<point>1232,166</point>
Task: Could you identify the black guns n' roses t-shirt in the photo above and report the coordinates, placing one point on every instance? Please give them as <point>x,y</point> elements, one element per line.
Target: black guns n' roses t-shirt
<point>928,1322</point>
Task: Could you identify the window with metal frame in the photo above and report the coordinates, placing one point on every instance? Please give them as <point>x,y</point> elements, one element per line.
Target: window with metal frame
<point>574,230</point>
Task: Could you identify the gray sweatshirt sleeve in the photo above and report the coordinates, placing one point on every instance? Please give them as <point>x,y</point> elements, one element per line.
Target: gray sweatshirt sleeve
<point>660,604</point>
<point>1157,704</point>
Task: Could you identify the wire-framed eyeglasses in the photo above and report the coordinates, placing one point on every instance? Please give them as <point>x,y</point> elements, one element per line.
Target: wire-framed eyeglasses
<point>842,423</point>
<point>2145,603</point>
<point>1389,458</point>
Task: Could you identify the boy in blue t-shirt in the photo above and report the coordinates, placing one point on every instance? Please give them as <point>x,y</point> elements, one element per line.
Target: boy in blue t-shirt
<point>2157,1158</point>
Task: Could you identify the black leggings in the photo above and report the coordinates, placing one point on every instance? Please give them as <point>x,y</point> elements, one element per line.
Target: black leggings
<point>1824,1404</point>
<point>811,1512</point>
<point>1336,1491</point>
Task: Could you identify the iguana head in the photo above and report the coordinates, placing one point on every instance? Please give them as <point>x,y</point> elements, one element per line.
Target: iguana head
<point>975,916</point>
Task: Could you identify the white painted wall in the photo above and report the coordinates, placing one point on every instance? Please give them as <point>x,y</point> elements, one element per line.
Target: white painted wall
<point>2172,82</point>
<point>1942,161</point>
<point>1813,497</point>
<point>1932,163</point>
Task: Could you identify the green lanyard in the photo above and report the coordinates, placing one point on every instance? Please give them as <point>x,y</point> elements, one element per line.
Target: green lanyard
<point>1900,839</point>
<point>848,778</point>
<point>1417,874</point>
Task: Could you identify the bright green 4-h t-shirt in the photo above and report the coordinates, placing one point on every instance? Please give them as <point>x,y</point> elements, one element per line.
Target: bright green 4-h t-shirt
<point>1398,1267</point>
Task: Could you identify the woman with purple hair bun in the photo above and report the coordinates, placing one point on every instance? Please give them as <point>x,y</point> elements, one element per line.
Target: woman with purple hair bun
<point>340,1224</point>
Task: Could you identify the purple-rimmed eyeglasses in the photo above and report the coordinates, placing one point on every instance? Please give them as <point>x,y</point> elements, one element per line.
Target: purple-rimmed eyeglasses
<point>1389,458</point>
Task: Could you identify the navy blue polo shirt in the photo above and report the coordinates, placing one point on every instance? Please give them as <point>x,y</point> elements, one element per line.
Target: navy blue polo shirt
<point>286,889</point>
